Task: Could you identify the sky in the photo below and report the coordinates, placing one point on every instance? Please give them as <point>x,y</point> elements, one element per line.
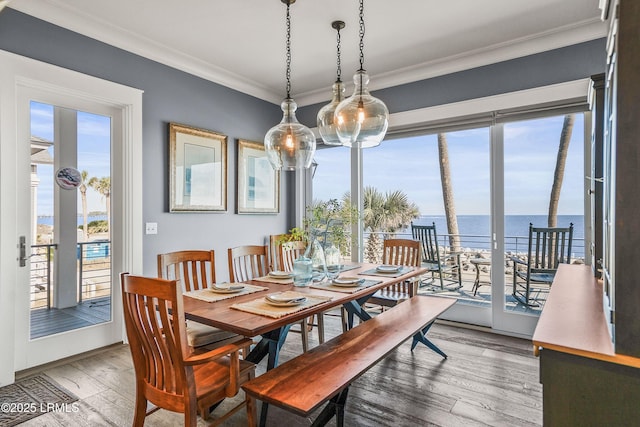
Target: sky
<point>94,139</point>
<point>412,165</point>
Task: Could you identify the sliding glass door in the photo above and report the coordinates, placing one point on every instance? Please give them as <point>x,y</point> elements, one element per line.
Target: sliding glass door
<point>543,185</point>
<point>480,187</point>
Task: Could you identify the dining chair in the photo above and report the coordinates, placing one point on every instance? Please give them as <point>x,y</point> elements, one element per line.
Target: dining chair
<point>275,240</point>
<point>548,248</point>
<point>441,266</point>
<point>288,252</point>
<point>247,262</point>
<point>169,373</point>
<point>194,269</point>
<point>401,252</point>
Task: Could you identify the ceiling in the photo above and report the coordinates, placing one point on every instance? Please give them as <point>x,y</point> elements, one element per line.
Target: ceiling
<point>241,43</point>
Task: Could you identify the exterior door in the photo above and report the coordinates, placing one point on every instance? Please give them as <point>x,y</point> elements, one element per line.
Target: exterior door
<point>63,146</point>
<point>74,104</point>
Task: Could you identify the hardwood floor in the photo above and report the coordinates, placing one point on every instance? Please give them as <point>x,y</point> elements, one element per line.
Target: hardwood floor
<point>487,380</point>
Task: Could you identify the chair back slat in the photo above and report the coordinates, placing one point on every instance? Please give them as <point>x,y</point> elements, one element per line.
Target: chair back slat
<point>155,325</point>
<point>274,250</point>
<point>289,251</point>
<point>549,247</point>
<point>247,262</point>
<point>428,238</point>
<point>402,252</point>
<point>194,269</point>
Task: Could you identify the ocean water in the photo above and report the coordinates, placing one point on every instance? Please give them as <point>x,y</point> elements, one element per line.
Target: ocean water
<point>48,220</point>
<point>476,230</point>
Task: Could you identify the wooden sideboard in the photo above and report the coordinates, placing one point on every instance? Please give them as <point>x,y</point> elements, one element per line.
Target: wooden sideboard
<point>585,382</point>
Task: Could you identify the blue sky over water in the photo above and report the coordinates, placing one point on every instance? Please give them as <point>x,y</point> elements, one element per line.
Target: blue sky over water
<point>412,165</point>
<point>94,145</point>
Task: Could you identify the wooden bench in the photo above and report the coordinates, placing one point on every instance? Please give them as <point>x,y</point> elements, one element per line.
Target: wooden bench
<point>324,373</point>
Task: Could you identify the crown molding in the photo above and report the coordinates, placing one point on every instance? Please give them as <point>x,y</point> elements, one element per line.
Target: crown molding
<point>57,13</point>
<point>558,38</point>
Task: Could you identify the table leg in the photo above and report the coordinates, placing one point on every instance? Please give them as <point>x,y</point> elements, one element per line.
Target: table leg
<point>270,345</point>
<point>356,308</point>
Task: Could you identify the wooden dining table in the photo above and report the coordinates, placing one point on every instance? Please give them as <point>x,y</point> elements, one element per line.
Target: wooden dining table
<point>273,331</point>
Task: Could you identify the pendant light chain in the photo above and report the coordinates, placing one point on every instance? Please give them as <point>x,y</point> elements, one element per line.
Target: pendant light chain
<point>361,34</point>
<point>288,52</point>
<point>289,145</point>
<point>339,64</point>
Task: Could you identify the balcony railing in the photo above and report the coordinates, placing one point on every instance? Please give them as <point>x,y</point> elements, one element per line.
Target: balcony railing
<point>514,245</point>
<point>93,278</point>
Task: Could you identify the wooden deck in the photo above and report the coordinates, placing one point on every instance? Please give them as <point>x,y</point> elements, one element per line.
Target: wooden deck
<point>51,321</point>
<point>488,379</point>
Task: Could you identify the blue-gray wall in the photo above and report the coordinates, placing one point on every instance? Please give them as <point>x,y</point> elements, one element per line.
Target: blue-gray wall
<point>556,66</point>
<point>173,96</point>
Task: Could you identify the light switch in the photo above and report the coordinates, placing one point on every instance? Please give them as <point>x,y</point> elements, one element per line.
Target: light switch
<point>152,227</point>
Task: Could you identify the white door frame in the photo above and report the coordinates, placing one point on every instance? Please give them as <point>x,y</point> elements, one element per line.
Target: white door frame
<point>20,77</point>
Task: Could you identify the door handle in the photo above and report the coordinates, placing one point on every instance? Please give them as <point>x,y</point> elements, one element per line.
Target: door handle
<point>23,251</point>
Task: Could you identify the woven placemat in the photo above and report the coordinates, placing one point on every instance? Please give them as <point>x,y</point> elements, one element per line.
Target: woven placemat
<point>261,307</point>
<point>211,296</point>
<point>328,286</point>
<point>374,272</point>
<point>31,397</point>
<point>270,279</point>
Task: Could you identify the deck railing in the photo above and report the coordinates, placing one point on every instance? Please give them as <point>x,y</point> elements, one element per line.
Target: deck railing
<point>514,245</point>
<point>94,272</point>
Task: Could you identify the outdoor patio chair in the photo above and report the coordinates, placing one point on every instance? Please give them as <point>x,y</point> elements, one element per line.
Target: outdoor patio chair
<point>169,374</point>
<point>443,267</point>
<point>548,247</point>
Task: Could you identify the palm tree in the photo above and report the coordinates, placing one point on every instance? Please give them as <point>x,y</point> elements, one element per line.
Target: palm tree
<point>83,193</point>
<point>447,194</point>
<point>103,186</point>
<point>389,212</point>
<point>563,150</point>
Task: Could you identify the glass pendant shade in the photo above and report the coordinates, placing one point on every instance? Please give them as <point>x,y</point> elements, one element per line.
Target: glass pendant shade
<point>326,116</point>
<point>290,145</point>
<point>361,120</point>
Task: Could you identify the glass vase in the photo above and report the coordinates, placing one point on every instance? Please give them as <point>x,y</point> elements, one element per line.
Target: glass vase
<point>333,259</point>
<point>318,263</point>
<point>302,271</point>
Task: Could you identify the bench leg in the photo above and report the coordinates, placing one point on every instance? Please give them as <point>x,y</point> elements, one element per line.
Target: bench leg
<point>420,337</point>
<point>334,407</point>
<point>270,345</point>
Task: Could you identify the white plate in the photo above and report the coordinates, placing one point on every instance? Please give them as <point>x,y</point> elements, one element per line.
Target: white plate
<point>281,274</point>
<point>282,300</point>
<point>226,289</point>
<point>347,281</point>
<point>287,296</point>
<point>388,268</point>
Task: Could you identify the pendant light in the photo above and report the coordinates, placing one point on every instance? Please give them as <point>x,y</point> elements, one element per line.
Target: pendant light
<point>326,115</point>
<point>361,119</point>
<point>290,144</point>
